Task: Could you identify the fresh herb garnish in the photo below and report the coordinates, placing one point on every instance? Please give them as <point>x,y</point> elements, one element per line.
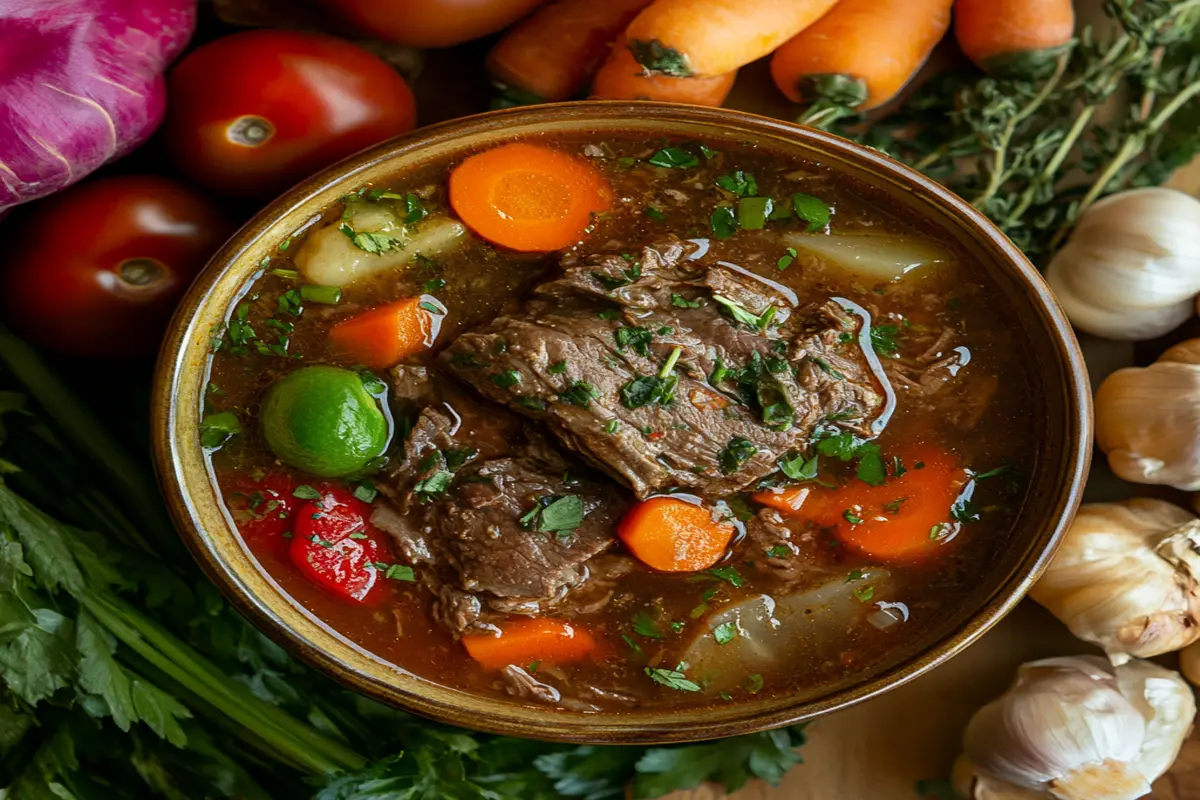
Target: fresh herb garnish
<point>558,367</point>
<point>852,517</point>
<point>653,389</point>
<point>864,593</point>
<point>679,301</point>
<point>507,379</point>
<point>813,210</point>
<point>638,339</point>
<point>372,241</point>
<point>754,683</point>
<point>799,468</point>
<point>724,222</point>
<point>414,209</point>
<point>740,183</point>
<point>725,633</point>
<point>366,491</point>
<point>786,260</point>
<point>883,339</point>
<point>437,483</point>
<point>728,574</point>
<point>557,514</point>
<point>400,572</point>
<point>752,212</point>
<point>645,625</point>
<point>672,679</point>
<point>737,452</point>
<point>656,215</point>
<point>741,314</point>
<point>674,158</point>
<point>579,393</point>
<point>779,551</point>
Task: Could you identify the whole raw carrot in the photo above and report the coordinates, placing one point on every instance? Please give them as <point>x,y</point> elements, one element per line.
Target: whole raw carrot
<point>1014,37</point>
<point>551,54</point>
<point>861,53</point>
<point>714,37</point>
<point>622,78</point>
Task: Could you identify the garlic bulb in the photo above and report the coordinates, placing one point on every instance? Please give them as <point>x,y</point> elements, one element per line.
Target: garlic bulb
<point>1078,729</point>
<point>1148,419</point>
<point>1127,578</point>
<point>1132,265</point>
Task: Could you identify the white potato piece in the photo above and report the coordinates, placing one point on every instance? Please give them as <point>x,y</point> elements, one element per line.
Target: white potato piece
<point>773,632</point>
<point>330,258</point>
<point>884,257</point>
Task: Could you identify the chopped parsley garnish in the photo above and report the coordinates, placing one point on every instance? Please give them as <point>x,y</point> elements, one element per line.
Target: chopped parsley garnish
<point>400,572</point>
<point>851,517</point>
<point>306,492</point>
<point>798,468</point>
<point>371,241</point>
<point>653,389</point>
<point>290,303</point>
<point>728,574</point>
<point>936,531</point>
<point>725,633</point>
<point>437,483</point>
<point>533,666</point>
<point>740,183</point>
<point>741,314</point>
<point>883,339</point>
<point>845,446</point>
<point>864,593</point>
<point>754,683</point>
<point>501,346</point>
<point>672,679</point>
<point>609,314</point>
<point>707,151</point>
<point>611,426</point>
<point>679,301</point>
<point>434,284</point>
<point>507,379</point>
<point>724,223</point>
<point>414,209</point>
<point>824,365</point>
<point>366,491</point>
<point>217,429</point>
<point>557,368</point>
<point>579,393</point>
<point>779,551</point>
<point>893,506</point>
<point>736,453</point>
<point>674,158</point>
<point>855,575</point>
<point>532,403</point>
<point>557,514</point>
<point>656,215</point>
<point>645,625</point>
<point>638,339</point>
<point>965,510</point>
<point>813,210</point>
<point>786,260</point>
<point>456,457</point>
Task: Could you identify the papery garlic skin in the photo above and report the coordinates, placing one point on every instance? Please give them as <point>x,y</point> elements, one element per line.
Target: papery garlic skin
<point>1148,419</point>
<point>1127,578</point>
<point>1077,729</point>
<point>1189,663</point>
<point>1131,269</point>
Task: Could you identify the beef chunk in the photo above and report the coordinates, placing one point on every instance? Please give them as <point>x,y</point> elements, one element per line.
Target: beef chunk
<point>667,372</point>
<point>473,507</point>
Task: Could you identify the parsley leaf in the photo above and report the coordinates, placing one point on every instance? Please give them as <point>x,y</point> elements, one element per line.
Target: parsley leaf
<point>813,210</point>
<point>737,452</point>
<point>728,574</point>
<point>371,241</point>
<point>679,301</point>
<point>740,183</point>
<point>724,222</point>
<point>579,393</point>
<point>507,379</point>
<point>674,158</point>
<point>883,339</point>
<point>798,468</point>
<point>557,514</point>
<point>638,339</point>
<point>672,679</point>
<point>725,633</point>
<point>645,625</point>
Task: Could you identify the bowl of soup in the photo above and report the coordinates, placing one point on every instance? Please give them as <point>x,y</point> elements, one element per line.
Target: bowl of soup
<point>619,422</point>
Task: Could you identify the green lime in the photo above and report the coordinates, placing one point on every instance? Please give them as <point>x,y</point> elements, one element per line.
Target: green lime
<point>323,420</point>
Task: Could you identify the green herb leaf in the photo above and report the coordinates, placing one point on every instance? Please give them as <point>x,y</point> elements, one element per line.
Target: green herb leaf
<point>674,158</point>
<point>728,574</point>
<point>799,468</point>
<point>813,210</point>
<point>752,212</point>
<point>645,625</point>
<point>558,514</point>
<point>437,483</point>
<point>672,679</point>
<point>371,241</point>
<point>786,260</point>
<point>740,183</point>
<point>737,452</point>
<point>725,633</point>
<point>656,215</point>
<point>579,393</point>
<point>507,379</point>
<point>852,517</point>
<point>679,301</point>
<point>724,222</point>
<point>864,593</point>
<point>400,572</point>
<point>638,339</point>
<point>558,367</point>
<point>883,339</point>
<point>306,492</point>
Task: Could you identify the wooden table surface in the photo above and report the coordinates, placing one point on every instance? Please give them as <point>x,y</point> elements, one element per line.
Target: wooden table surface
<point>880,749</point>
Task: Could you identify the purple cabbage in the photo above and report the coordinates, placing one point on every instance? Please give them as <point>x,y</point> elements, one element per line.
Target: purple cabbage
<point>80,85</point>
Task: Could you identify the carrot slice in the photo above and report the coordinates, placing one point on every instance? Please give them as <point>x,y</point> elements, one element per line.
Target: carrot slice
<point>623,78</point>
<point>522,641</point>
<point>685,38</point>
<point>385,336</point>
<point>673,535</point>
<point>907,517</point>
<point>1014,37</point>
<point>528,197</point>
<point>551,53</point>
<point>862,53</point>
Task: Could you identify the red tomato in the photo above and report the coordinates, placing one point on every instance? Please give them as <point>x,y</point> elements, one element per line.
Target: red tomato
<point>97,270</point>
<point>263,509</point>
<point>432,23</point>
<point>253,113</point>
<point>335,547</point>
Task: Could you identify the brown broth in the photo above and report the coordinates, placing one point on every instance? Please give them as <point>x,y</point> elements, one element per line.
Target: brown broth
<point>481,281</point>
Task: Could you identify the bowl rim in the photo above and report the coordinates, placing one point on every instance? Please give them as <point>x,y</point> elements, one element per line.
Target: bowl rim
<point>336,657</point>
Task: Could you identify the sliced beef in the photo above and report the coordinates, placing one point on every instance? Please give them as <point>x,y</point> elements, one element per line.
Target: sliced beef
<point>461,496</point>
<point>655,370</point>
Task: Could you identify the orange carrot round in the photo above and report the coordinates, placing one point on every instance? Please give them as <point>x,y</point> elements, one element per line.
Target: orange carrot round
<point>553,52</point>
<point>714,37</point>
<point>523,641</point>
<point>528,197</point>
<point>623,78</point>
<point>905,518</point>
<point>1014,37</point>
<point>385,336</point>
<point>673,535</point>
<point>861,53</point>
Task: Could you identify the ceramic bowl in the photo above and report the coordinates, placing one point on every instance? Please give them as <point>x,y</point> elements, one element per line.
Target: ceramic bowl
<point>1064,422</point>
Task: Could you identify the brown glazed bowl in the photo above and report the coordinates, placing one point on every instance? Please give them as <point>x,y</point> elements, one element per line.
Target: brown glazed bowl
<point>1063,425</point>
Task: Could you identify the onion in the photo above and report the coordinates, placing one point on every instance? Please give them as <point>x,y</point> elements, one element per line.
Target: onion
<point>883,257</point>
<point>80,85</point>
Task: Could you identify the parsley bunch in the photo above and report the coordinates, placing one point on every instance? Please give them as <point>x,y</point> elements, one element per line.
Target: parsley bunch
<point>124,674</point>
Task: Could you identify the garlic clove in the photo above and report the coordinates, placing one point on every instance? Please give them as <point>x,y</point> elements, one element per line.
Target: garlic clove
<point>1116,321</point>
<point>1125,578</point>
<point>1148,422</point>
<point>1167,705</point>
